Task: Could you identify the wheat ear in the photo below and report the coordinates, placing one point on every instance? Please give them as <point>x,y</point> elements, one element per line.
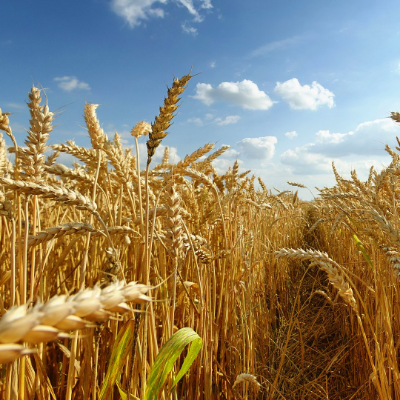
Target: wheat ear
<point>162,121</point>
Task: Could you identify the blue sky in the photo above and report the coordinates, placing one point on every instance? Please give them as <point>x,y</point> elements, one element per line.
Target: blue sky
<point>290,85</point>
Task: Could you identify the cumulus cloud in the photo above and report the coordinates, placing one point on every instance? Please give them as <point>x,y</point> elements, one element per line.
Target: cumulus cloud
<point>304,97</point>
<point>358,149</point>
<point>136,11</point>
<point>222,163</point>
<point>291,134</point>
<point>212,64</point>
<point>261,148</point>
<point>70,83</point>
<point>230,119</point>
<point>245,94</point>
<point>157,158</point>
<point>324,136</point>
<point>231,153</point>
<point>304,162</point>
<point>369,138</point>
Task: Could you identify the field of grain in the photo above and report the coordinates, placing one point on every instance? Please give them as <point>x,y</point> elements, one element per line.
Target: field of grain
<point>114,279</point>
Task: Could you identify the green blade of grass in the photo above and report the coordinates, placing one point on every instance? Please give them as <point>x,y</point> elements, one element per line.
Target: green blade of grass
<point>166,358</point>
<point>122,347</point>
<point>124,395</point>
<point>363,251</point>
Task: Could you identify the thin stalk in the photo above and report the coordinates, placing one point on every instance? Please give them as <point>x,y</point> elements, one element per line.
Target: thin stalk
<point>139,186</point>
<point>146,275</point>
<point>96,362</point>
<point>71,367</point>
<point>24,272</point>
<point>13,277</point>
<point>33,258</point>
<point>85,257</point>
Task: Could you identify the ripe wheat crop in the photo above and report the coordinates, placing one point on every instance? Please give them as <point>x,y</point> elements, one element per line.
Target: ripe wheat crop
<point>109,272</point>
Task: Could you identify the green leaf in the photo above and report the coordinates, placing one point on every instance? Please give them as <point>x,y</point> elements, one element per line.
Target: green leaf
<point>124,396</point>
<point>122,347</point>
<point>362,249</point>
<point>166,358</point>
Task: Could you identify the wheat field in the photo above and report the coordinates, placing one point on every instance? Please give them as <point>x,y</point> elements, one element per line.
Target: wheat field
<point>176,282</point>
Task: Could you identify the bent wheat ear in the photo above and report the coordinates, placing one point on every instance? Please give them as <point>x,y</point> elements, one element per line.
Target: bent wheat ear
<point>96,133</point>
<point>140,129</point>
<point>5,126</point>
<point>58,194</point>
<point>331,267</point>
<point>300,185</point>
<point>246,378</point>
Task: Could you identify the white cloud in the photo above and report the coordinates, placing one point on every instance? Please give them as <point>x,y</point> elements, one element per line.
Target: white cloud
<point>291,134</point>
<point>231,153</point>
<point>128,142</point>
<point>324,136</point>
<point>189,29</point>
<point>358,149</point>
<point>136,11</point>
<point>192,10</point>
<point>197,121</point>
<point>304,162</point>
<point>304,97</point>
<point>226,160</point>
<point>245,94</point>
<point>70,83</point>
<point>311,164</point>
<point>230,119</point>
<point>157,158</point>
<point>221,164</point>
<point>369,138</point>
<point>261,148</point>
<point>212,64</point>
<point>206,4</point>
<point>64,158</point>
<point>278,44</point>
